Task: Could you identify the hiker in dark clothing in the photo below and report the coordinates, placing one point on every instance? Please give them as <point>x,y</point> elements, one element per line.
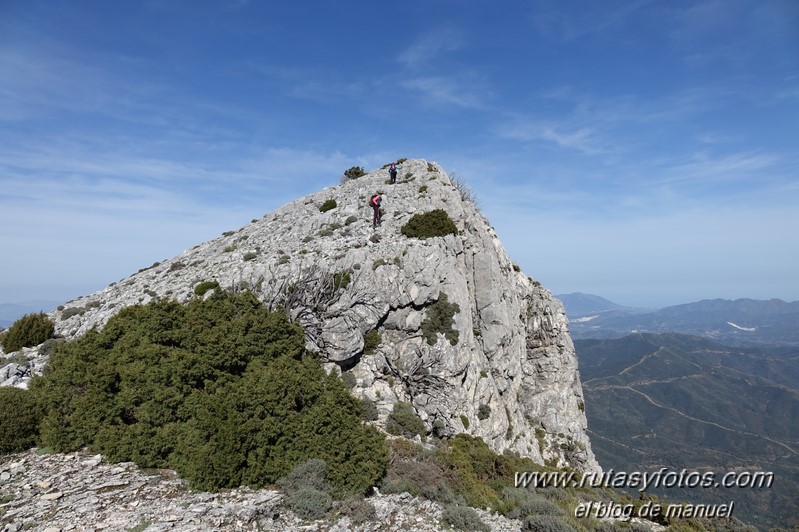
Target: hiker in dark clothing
<point>375,201</point>
<point>392,171</point>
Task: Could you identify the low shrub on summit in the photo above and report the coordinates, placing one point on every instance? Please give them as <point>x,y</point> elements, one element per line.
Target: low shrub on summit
<point>328,205</point>
<point>354,172</point>
<point>430,224</point>
<point>220,390</point>
<point>28,331</point>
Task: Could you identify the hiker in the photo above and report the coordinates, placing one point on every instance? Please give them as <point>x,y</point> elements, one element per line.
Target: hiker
<point>375,201</point>
<point>392,171</point>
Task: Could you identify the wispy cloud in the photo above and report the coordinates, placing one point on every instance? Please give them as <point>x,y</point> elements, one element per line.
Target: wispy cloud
<point>447,90</point>
<point>583,139</point>
<point>705,168</point>
<point>430,46</point>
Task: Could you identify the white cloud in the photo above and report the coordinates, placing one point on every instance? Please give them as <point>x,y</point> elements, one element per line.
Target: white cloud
<point>447,90</point>
<point>583,139</point>
<point>430,46</point>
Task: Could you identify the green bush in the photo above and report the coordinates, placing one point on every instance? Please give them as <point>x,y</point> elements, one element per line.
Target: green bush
<point>28,331</point>
<point>534,504</point>
<point>430,224</point>
<point>72,311</point>
<point>328,205</point>
<point>349,380</point>
<point>250,255</point>
<point>19,419</point>
<point>371,340</point>
<point>369,409</point>
<point>204,287</point>
<point>309,474</point>
<point>354,172</point>
<point>350,220</point>
<point>341,280</point>
<point>463,518</point>
<point>545,523</point>
<point>220,390</point>
<point>439,319</point>
<point>403,421</point>
<point>306,489</point>
<point>483,412</point>
<point>309,503</point>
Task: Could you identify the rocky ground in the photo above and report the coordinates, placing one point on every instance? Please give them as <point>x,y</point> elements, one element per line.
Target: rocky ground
<point>80,492</point>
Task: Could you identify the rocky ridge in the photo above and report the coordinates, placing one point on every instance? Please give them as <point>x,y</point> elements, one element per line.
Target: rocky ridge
<point>510,377</point>
<point>80,492</point>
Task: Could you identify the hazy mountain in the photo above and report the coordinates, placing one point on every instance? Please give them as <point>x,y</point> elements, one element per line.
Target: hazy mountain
<point>740,322</point>
<point>579,305</point>
<point>687,402</point>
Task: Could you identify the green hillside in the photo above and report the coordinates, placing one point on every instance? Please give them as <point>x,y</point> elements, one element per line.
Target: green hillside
<point>685,402</point>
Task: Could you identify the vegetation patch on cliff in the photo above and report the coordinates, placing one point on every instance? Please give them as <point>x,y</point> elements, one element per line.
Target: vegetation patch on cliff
<point>440,320</point>
<point>220,390</point>
<point>29,330</point>
<point>430,224</point>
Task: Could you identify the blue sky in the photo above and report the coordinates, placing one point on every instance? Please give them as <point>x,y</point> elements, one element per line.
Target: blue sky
<point>645,151</point>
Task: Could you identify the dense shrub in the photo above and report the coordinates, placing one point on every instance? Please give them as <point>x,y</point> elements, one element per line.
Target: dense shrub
<point>29,330</point>
<point>328,205</point>
<point>439,319</point>
<point>545,523</point>
<point>403,421</point>
<point>204,287</point>
<point>341,280</point>
<point>19,419</point>
<point>72,311</point>
<point>536,505</point>
<point>463,518</point>
<point>369,408</point>
<point>220,390</point>
<point>306,489</point>
<point>430,224</point>
<point>354,172</point>
<point>371,340</point>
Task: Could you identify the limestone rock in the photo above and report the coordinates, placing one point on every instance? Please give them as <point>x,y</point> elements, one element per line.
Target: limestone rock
<point>122,497</point>
<point>511,376</point>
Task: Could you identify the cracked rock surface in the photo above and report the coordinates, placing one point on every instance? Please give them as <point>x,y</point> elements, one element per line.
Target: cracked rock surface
<point>511,376</point>
<point>79,492</point>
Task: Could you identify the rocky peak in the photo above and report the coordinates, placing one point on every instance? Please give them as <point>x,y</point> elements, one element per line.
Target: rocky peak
<point>504,370</point>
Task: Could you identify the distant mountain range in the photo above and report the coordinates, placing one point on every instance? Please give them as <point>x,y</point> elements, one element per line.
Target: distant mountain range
<point>742,322</point>
<point>688,402</point>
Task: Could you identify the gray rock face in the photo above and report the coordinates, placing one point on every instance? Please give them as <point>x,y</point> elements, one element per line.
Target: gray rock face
<point>510,377</point>
<point>77,491</point>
